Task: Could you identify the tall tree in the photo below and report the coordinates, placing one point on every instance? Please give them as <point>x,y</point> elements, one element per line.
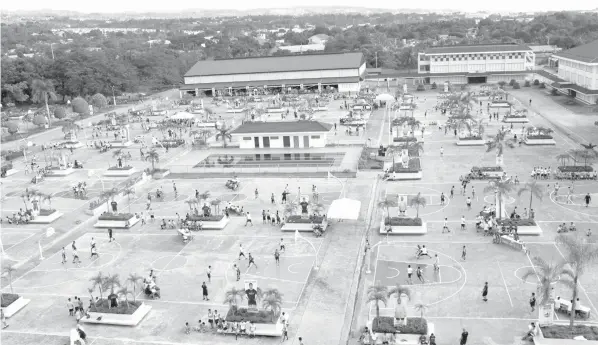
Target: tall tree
<point>534,189</point>
<point>42,91</point>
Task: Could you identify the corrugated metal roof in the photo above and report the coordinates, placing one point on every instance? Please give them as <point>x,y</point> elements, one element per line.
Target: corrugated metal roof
<point>277,83</point>
<point>477,48</point>
<point>277,64</point>
<point>282,127</point>
<point>585,53</point>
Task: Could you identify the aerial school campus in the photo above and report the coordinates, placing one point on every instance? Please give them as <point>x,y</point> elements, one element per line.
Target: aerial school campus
<point>305,199</point>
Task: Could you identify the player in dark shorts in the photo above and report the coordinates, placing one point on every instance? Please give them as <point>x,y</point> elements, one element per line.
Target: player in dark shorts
<point>94,251</point>
<point>237,271</point>
<point>110,238</point>
<point>63,255</point>
<point>277,257</point>
<point>251,261</point>
<point>419,274</point>
<point>282,246</point>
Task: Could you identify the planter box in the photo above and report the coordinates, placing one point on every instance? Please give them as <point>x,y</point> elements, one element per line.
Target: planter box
<point>515,120</point>
<point>15,306</point>
<point>215,225</point>
<point>11,172</point>
<point>302,227</point>
<point>160,175</point>
<point>405,176</point>
<point>405,230</point>
<point>274,110</point>
<point>46,219</point>
<point>402,338</point>
<point>235,110</point>
<point>120,172</point>
<point>119,319</point>
<point>61,172</point>
<point>480,142</point>
<point>540,340</point>
<point>540,142</point>
<point>121,144</point>
<point>118,224</point>
<point>529,230</point>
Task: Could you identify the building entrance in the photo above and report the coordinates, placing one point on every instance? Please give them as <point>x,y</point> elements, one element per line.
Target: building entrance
<point>476,80</point>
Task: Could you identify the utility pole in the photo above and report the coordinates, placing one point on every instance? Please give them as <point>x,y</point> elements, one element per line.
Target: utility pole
<point>113,97</point>
<point>52,49</point>
<point>376,59</point>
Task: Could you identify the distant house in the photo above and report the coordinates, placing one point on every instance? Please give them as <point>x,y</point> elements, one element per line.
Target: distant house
<point>303,48</point>
<point>288,134</point>
<point>319,39</point>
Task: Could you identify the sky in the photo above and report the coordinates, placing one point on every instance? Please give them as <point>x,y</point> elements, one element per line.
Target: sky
<point>180,5</point>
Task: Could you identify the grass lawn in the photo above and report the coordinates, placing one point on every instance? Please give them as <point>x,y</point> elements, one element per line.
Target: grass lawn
<point>563,332</point>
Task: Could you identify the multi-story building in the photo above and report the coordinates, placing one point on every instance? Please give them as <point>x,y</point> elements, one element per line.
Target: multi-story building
<point>482,63</point>
<point>578,69</point>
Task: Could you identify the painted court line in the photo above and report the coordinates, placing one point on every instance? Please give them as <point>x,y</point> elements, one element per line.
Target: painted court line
<point>20,229</point>
<point>21,241</point>
<point>505,282</point>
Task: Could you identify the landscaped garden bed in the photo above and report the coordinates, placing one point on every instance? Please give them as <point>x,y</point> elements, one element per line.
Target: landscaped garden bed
<point>412,172</point>
<point>403,226</point>
<point>120,171</point>
<point>216,222</point>
<point>236,314</point>
<point>7,169</point>
<point>491,172</point>
<point>575,168</point>
<point>404,139</point>
<point>125,314</point>
<point>474,140</point>
<point>539,139</point>
<point>299,223</point>
<point>116,220</point>
<point>516,119</point>
<point>170,143</point>
<point>385,324</point>
<point>45,216</point>
<point>12,303</point>
<point>552,333</point>
<point>158,173</point>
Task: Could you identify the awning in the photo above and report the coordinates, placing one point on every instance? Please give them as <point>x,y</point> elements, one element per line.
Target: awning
<point>271,83</point>
<point>344,209</point>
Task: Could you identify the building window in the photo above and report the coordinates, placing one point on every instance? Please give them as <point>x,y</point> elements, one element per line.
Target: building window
<point>273,138</point>
<point>246,138</point>
<point>315,137</point>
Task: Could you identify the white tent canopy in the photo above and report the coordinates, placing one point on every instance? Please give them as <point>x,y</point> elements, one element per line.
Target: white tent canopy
<point>385,97</point>
<point>344,209</point>
<point>182,116</point>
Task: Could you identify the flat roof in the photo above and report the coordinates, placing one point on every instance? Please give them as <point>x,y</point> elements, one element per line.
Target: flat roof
<point>282,127</point>
<point>477,48</point>
<point>585,53</point>
<point>268,64</point>
<point>259,83</point>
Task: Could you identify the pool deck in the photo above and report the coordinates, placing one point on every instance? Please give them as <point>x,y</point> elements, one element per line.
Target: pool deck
<point>186,163</point>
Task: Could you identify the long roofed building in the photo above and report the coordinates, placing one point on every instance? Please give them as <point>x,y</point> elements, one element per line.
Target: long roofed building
<point>343,71</point>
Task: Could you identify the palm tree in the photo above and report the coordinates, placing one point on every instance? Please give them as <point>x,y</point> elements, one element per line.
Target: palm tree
<point>224,133</point>
<point>588,155</point>
<point>231,296</point>
<point>42,91</point>
<point>48,198</point>
<point>400,290</point>
<point>273,303</point>
<point>8,270</point>
<point>579,254</point>
<point>117,153</point>
<point>318,208</point>
<point>502,189</point>
<point>109,195</point>
<point>111,283</point>
<point>393,150</point>
<point>563,158</point>
<point>128,192</point>
<point>290,207</point>
<point>387,203</point>
<point>272,292</point>
<point>124,291</point>
<point>134,279</point>
<point>216,203</point>
<point>98,281</point>
<point>191,203</point>
<point>417,202</point>
<point>377,294</point>
<point>534,189</point>
<point>70,127</point>
<point>154,157</point>
<point>421,308</point>
<point>417,148</point>
<point>548,273</point>
<point>499,142</point>
<point>90,291</point>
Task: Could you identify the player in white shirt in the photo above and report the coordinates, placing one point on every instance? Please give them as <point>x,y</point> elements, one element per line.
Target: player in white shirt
<point>436,263</point>
<point>463,223</point>
<point>445,226</point>
<point>241,252</point>
<point>409,274</point>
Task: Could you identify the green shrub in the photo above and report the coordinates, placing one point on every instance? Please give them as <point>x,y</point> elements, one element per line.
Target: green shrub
<point>236,314</point>
<point>10,155</point>
<point>575,168</point>
<point>118,216</point>
<point>402,221</point>
<point>414,167</point>
<point>475,137</point>
<point>13,128</point>
<point>527,83</point>
<point>59,113</point>
<point>536,82</point>
<point>102,307</point>
<point>128,167</point>
<point>512,82</point>
<point>554,92</point>
<point>215,218</point>
<point>80,106</point>
<point>542,86</point>
<point>40,120</point>
<point>8,299</point>
<point>300,220</point>
<point>420,87</point>
<point>385,324</point>
<point>518,222</point>
<point>516,86</point>
<point>434,86</point>
<point>404,139</point>
<point>539,136</point>
<point>563,332</point>
<point>99,101</point>
<point>46,212</point>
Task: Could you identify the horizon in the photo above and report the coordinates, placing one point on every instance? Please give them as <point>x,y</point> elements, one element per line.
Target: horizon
<point>114,7</point>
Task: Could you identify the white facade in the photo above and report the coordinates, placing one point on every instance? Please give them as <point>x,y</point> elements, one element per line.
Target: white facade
<point>476,62</point>
<point>281,140</point>
<point>578,72</point>
<point>337,73</point>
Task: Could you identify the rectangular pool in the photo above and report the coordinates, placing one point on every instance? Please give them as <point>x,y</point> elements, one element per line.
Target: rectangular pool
<point>273,159</point>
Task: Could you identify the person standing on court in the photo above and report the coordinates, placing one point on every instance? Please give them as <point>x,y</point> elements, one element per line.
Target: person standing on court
<point>110,238</point>
<point>464,336</point>
<point>484,294</point>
